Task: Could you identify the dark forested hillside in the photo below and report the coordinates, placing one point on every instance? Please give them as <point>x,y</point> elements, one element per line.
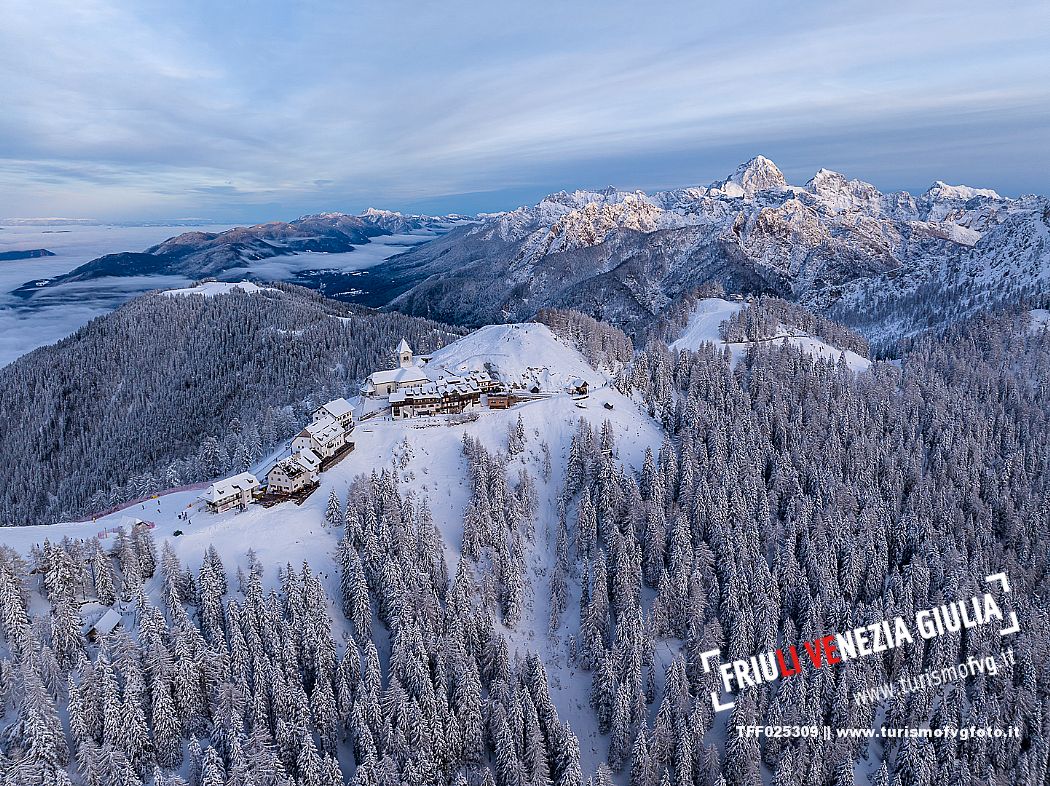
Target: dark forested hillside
<point>793,497</point>
<point>172,390</point>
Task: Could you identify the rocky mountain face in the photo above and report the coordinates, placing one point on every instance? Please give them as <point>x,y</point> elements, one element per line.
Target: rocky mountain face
<point>626,256</point>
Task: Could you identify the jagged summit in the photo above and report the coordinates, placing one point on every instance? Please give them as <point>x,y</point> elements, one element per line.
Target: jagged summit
<point>941,190</point>
<point>626,255</point>
<point>758,174</point>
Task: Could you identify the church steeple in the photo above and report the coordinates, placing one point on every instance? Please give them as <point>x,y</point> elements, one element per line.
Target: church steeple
<point>404,354</point>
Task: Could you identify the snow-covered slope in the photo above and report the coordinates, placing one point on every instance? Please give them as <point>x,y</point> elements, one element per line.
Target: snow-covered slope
<point>704,323</point>
<point>758,174</point>
<point>519,355</point>
<point>427,456</point>
<point>1040,319</point>
<point>710,313</point>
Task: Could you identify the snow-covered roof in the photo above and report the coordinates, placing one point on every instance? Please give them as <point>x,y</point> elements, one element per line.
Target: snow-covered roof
<point>297,463</point>
<point>443,387</point>
<point>230,487</point>
<point>403,347</point>
<point>324,430</point>
<point>337,408</point>
<point>403,376</point>
<point>106,623</point>
<point>308,459</point>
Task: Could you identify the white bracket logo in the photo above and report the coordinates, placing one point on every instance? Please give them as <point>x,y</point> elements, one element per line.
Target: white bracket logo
<point>1004,584</point>
<point>716,702</point>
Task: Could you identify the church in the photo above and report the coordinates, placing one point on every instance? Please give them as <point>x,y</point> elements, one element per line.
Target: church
<point>407,375</point>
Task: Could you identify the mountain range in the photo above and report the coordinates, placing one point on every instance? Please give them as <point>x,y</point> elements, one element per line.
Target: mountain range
<point>834,244</point>
<point>886,264</point>
<point>231,253</point>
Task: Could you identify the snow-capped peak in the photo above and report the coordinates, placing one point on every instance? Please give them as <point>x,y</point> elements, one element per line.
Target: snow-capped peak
<point>758,174</point>
<point>375,211</point>
<point>941,190</point>
<point>840,194</point>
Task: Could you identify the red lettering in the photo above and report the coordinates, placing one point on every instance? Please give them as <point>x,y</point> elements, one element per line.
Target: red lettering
<point>815,652</point>
<point>785,669</point>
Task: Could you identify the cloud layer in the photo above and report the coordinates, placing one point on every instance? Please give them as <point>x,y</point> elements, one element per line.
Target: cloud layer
<point>241,111</point>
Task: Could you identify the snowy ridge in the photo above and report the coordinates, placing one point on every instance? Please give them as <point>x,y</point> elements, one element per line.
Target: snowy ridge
<point>212,288</point>
<point>758,174</point>
<point>564,221</point>
<point>635,253</point>
<point>941,190</point>
<point>710,313</point>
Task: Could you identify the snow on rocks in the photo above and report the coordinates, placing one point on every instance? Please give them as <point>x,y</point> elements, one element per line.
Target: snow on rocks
<point>941,190</point>
<point>1039,320</point>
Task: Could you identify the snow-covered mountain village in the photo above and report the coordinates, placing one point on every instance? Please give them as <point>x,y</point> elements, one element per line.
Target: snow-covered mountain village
<point>494,468</point>
<point>543,394</point>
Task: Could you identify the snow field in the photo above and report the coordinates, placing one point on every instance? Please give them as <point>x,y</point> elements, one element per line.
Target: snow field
<point>710,313</point>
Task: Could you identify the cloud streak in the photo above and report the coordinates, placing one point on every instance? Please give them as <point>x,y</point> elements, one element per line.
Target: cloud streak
<point>140,110</point>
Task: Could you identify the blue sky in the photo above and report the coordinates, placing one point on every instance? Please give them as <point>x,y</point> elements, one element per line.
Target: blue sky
<point>256,110</point>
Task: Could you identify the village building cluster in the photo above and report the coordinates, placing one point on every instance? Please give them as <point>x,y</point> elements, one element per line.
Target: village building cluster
<point>325,439</point>
<point>406,375</point>
<point>235,492</point>
<point>409,392</point>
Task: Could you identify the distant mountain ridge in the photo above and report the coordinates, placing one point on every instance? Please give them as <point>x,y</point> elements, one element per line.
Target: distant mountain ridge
<point>626,256</point>
<point>889,265</point>
<point>30,253</point>
<point>205,254</point>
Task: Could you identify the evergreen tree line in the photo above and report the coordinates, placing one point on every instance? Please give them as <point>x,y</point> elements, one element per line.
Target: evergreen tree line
<point>765,317</point>
<point>226,684</point>
<point>603,345</point>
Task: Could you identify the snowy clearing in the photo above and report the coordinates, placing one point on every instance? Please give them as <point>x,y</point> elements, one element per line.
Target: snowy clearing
<point>520,355</point>
<point>710,313</point>
<point>1040,319</point>
<point>212,288</point>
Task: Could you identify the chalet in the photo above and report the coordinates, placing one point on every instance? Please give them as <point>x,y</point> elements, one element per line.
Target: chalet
<point>323,437</point>
<point>293,474</point>
<point>339,410</point>
<point>500,400</point>
<point>105,625</point>
<point>235,492</point>
<point>579,386</point>
<point>406,375</point>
